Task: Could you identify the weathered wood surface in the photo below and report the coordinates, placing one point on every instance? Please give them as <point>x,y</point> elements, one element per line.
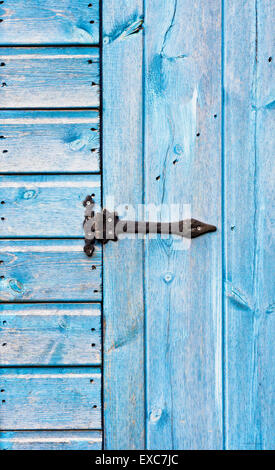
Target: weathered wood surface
<point>47,125</point>
<point>48,270</point>
<point>51,22</point>
<point>123,261</point>
<point>59,398</point>
<point>45,205</point>
<point>163,378</point>
<point>49,77</point>
<point>50,334</point>
<point>50,440</point>
<point>249,242</point>
<point>182,166</point>
<point>49,141</point>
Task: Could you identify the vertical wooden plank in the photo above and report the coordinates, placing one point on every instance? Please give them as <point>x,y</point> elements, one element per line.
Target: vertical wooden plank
<point>123,261</point>
<point>182,165</point>
<point>249,176</point>
<point>265,180</point>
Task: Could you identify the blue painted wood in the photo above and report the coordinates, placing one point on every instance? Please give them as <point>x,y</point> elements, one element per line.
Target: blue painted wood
<point>50,334</point>
<point>51,22</point>
<point>249,246</point>
<point>123,261</point>
<point>50,440</point>
<point>180,352</point>
<point>45,206</point>
<point>183,282</point>
<point>49,141</point>
<point>49,77</point>
<point>33,140</point>
<point>47,398</point>
<point>48,270</point>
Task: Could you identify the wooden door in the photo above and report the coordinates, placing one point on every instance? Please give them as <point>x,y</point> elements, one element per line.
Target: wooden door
<point>188,117</point>
<point>142,346</point>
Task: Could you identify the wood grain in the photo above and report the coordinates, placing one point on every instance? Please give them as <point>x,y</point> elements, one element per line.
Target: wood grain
<point>182,166</point>
<point>50,334</point>
<point>53,77</point>
<point>48,270</point>
<point>51,22</point>
<point>45,206</point>
<point>60,398</point>
<point>123,261</point>
<point>249,241</point>
<point>49,141</point>
<point>50,440</point>
<point>37,136</point>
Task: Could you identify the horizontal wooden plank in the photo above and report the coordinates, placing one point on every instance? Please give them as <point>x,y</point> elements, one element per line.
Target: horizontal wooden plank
<point>46,205</point>
<point>49,141</point>
<point>59,398</point>
<point>51,22</point>
<point>50,440</point>
<point>50,334</point>
<point>48,270</point>
<point>49,77</point>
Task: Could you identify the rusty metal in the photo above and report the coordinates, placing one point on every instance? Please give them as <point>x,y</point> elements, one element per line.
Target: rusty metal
<point>105,226</point>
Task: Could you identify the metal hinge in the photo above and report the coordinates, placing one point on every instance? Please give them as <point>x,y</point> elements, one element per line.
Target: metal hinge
<point>105,226</point>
